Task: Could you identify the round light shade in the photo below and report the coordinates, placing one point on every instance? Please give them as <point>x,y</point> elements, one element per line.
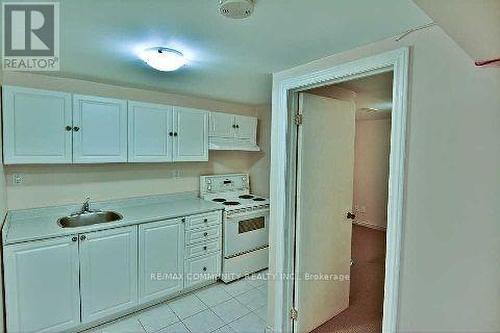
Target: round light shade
<point>163,59</point>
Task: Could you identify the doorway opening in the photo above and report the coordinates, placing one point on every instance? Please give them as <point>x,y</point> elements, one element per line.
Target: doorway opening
<point>343,149</point>
<point>283,312</point>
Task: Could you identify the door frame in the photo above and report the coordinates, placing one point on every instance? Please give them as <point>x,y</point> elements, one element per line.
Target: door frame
<point>283,177</point>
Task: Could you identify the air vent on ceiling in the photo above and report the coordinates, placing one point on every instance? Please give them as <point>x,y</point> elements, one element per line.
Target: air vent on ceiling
<point>236,9</point>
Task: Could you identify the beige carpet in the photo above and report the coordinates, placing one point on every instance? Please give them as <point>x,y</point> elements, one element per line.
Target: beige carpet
<point>364,314</point>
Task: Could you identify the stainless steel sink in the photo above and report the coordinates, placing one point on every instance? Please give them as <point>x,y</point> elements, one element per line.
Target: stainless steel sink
<point>89,218</point>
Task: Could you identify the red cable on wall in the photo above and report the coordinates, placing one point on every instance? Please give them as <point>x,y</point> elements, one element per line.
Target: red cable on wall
<point>487,62</point>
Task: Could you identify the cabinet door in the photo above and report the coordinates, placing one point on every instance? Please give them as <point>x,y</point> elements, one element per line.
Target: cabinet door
<point>108,265</point>
<point>41,285</point>
<point>191,139</point>
<point>36,126</point>
<point>161,246</point>
<point>246,128</point>
<point>100,130</point>
<point>149,126</point>
<point>222,125</point>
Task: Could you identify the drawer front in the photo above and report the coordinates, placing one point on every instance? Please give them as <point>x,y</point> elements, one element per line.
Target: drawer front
<point>202,269</point>
<point>202,248</point>
<point>203,220</point>
<point>198,235</point>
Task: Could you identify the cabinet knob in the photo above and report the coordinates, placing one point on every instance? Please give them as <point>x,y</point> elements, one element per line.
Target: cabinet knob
<point>204,269</point>
<point>351,215</point>
<point>205,220</point>
<point>205,248</point>
<point>74,239</point>
<point>83,237</point>
<point>205,234</point>
<point>171,133</point>
<point>183,220</point>
<point>175,133</point>
<point>76,128</point>
<point>234,126</point>
<point>237,126</point>
<point>68,128</point>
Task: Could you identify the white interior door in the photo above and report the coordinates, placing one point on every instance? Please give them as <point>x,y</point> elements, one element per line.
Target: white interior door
<point>150,132</point>
<point>99,130</point>
<point>324,196</point>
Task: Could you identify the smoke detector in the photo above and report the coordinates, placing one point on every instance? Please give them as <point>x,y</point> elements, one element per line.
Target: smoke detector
<point>236,9</point>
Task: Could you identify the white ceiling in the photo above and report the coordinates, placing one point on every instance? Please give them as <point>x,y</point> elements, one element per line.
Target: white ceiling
<point>228,59</point>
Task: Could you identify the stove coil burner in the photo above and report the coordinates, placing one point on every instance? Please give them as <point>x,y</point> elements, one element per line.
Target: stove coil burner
<point>231,203</point>
<point>219,200</point>
<point>259,199</point>
<point>246,196</point>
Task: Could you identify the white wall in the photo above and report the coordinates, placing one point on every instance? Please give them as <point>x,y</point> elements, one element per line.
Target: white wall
<point>45,185</point>
<point>451,244</point>
<point>371,171</point>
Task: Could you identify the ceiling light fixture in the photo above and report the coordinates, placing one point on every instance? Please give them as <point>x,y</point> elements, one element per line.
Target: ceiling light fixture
<point>163,59</point>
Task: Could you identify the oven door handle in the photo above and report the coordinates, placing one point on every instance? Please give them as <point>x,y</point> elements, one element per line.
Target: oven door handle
<point>247,215</point>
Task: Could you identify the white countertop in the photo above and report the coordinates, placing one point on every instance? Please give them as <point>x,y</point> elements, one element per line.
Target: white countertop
<point>39,223</point>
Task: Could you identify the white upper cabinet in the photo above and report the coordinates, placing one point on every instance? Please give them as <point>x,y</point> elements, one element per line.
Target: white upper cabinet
<point>108,272</point>
<point>150,132</point>
<point>36,126</point>
<point>99,130</point>
<point>222,125</point>
<point>190,134</point>
<point>42,285</point>
<point>232,132</point>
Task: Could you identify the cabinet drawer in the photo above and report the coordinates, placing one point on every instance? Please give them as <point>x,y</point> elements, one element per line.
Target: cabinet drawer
<point>202,269</point>
<point>203,220</point>
<point>193,236</point>
<point>202,248</point>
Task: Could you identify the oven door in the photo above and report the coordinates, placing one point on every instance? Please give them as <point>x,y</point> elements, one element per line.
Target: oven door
<point>246,232</point>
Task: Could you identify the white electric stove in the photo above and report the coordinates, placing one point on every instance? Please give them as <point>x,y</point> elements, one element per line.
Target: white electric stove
<point>245,224</point>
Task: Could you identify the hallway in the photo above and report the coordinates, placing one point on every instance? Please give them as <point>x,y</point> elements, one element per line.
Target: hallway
<point>364,314</point>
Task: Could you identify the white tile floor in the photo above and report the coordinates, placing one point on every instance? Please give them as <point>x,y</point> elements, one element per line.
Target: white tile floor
<point>238,307</point>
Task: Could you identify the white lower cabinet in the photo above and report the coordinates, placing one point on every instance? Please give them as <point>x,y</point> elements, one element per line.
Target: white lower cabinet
<point>108,272</point>
<point>62,283</point>
<point>161,246</point>
<point>42,285</point>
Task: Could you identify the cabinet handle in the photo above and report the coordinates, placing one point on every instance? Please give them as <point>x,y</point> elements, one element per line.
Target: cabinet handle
<point>204,269</point>
<point>74,239</point>
<point>204,248</point>
<point>205,234</point>
<point>76,128</point>
<point>83,237</point>
<point>68,128</point>
<point>183,220</point>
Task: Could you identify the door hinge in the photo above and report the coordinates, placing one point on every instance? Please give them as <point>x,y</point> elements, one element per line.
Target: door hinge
<point>293,313</point>
<point>298,119</point>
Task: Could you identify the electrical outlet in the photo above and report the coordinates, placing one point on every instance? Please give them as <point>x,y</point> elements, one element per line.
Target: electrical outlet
<point>17,179</point>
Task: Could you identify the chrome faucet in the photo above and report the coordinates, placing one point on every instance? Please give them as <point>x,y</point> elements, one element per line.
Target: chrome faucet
<point>85,207</point>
